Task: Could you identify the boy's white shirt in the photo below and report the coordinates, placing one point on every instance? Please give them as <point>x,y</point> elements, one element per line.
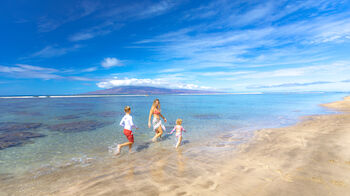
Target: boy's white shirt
<point>127,122</point>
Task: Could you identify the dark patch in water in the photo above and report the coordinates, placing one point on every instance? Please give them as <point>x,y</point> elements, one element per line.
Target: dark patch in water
<point>146,145</point>
<point>15,126</point>
<point>220,145</point>
<point>185,142</point>
<point>68,117</point>
<point>88,125</point>
<point>165,137</point>
<point>206,116</point>
<point>226,136</point>
<point>6,176</point>
<point>26,113</point>
<point>143,146</point>
<point>169,128</point>
<point>74,104</point>
<point>85,112</point>
<point>109,114</point>
<point>17,138</point>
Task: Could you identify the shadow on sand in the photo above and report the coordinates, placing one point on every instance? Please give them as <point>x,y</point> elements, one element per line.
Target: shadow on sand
<point>146,145</point>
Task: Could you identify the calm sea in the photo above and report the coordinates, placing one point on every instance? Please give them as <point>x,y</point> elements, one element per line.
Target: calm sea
<point>77,130</point>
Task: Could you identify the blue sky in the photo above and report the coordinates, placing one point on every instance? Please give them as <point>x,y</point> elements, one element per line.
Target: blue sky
<point>68,47</point>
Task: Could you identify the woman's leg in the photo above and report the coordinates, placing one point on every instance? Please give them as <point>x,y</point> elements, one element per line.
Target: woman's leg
<point>159,132</point>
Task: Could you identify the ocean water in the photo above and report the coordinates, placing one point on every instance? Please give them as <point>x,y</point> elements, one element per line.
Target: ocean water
<point>205,117</point>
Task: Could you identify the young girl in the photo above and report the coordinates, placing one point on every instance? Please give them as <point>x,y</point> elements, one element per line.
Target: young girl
<point>178,128</point>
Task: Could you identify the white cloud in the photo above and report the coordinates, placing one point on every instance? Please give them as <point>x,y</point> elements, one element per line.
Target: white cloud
<point>29,71</point>
<point>159,82</point>
<point>75,11</point>
<point>81,36</point>
<point>36,68</point>
<point>257,14</point>
<point>37,72</point>
<point>325,77</point>
<point>225,73</point>
<point>156,9</point>
<point>140,10</point>
<point>80,78</point>
<point>218,44</point>
<point>90,69</point>
<point>111,62</point>
<point>94,31</point>
<point>52,51</point>
<point>171,70</point>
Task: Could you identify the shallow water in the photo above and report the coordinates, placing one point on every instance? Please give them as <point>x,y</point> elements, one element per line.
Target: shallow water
<point>81,132</point>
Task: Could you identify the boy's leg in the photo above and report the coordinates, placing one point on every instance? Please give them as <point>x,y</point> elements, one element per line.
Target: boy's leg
<point>120,146</point>
<point>130,137</point>
<point>130,146</point>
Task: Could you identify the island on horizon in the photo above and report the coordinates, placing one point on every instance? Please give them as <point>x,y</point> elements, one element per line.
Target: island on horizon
<point>147,90</point>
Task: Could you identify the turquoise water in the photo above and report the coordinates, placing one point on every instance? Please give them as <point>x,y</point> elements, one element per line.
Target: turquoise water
<point>204,116</point>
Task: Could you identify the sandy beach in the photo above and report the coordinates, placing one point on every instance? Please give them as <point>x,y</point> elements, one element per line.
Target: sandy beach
<point>309,158</point>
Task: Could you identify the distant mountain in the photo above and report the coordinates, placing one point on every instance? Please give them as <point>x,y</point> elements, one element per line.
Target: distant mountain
<point>145,90</point>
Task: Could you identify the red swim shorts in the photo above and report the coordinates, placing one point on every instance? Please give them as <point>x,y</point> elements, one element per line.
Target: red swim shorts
<point>129,135</point>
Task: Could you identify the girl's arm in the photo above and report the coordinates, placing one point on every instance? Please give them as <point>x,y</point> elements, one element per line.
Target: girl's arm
<point>172,131</point>
<point>183,129</point>
<point>149,117</point>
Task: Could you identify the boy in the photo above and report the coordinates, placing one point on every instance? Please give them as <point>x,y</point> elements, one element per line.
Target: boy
<point>128,125</point>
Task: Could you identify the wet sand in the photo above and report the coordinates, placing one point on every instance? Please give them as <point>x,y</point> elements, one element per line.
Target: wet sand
<point>309,158</point>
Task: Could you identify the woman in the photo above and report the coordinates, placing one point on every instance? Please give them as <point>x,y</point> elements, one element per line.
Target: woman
<point>158,127</point>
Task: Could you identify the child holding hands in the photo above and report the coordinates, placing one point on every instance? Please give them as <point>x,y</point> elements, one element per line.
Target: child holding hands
<point>179,129</point>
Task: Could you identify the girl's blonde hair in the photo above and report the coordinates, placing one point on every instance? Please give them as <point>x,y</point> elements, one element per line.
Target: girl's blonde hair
<point>179,121</point>
<point>154,103</point>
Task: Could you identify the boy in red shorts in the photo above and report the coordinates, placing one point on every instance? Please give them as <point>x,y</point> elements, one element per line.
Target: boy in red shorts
<point>128,125</point>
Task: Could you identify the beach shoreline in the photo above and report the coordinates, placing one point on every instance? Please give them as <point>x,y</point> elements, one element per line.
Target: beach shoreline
<point>311,157</point>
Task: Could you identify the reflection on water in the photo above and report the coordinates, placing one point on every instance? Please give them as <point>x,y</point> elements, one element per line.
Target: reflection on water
<point>180,162</point>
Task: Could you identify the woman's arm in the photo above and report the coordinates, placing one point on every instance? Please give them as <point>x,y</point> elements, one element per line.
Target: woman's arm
<point>160,114</point>
<point>162,117</point>
<point>149,117</point>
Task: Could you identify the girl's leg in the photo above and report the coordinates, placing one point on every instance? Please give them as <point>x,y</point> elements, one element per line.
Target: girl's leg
<point>179,141</point>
